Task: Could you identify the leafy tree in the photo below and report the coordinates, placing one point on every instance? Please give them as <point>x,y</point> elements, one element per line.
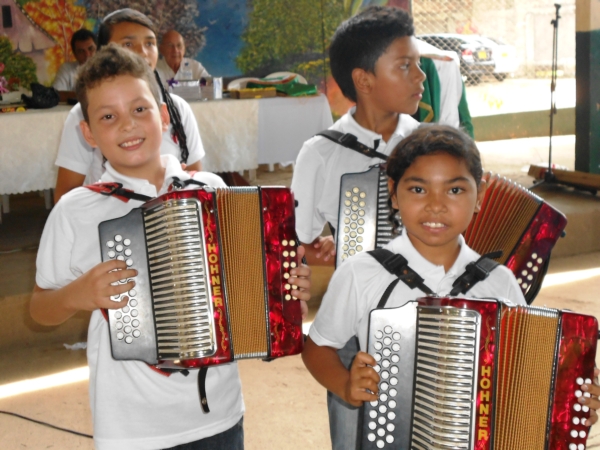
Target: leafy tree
<point>168,15</point>
<point>19,70</point>
<point>288,34</point>
<point>60,19</point>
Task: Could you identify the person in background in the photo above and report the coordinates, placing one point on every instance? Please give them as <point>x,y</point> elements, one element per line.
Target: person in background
<point>77,161</point>
<point>174,65</point>
<point>83,44</point>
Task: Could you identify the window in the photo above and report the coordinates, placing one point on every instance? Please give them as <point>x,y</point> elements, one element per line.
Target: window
<point>6,17</point>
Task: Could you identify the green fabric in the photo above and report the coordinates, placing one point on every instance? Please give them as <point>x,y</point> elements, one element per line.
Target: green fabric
<point>293,88</point>
<point>429,106</point>
<point>464,114</point>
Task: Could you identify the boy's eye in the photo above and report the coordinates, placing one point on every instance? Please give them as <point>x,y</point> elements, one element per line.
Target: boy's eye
<point>417,189</point>
<point>456,190</point>
<point>140,109</point>
<point>107,117</point>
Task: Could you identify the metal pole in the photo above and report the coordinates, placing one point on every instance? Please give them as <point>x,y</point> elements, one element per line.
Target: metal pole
<point>549,176</point>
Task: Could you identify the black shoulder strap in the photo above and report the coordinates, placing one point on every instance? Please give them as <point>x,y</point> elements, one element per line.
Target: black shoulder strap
<point>118,191</point>
<point>475,272</point>
<point>181,184</point>
<point>202,389</point>
<point>350,141</point>
<point>397,265</point>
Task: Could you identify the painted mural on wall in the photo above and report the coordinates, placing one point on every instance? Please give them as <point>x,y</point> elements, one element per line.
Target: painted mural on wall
<point>230,37</point>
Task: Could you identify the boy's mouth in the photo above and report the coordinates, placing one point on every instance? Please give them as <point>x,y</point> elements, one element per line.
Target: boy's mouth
<point>434,224</point>
<point>133,142</point>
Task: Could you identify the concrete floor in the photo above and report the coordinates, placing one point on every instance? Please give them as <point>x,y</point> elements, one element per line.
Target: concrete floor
<point>285,406</point>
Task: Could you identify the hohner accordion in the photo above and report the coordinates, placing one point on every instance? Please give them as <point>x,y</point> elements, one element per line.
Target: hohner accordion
<point>478,374</point>
<point>512,219</point>
<point>212,277</point>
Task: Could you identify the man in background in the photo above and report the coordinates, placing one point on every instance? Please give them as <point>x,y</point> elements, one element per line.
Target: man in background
<point>173,65</point>
<point>83,44</point>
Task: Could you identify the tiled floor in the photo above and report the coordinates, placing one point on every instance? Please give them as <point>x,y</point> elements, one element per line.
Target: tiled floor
<point>285,406</point>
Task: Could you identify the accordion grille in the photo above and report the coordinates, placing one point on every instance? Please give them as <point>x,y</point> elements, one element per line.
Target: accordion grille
<point>489,231</point>
<point>445,378</point>
<point>182,308</point>
<point>525,368</point>
<point>241,230</point>
<point>384,233</point>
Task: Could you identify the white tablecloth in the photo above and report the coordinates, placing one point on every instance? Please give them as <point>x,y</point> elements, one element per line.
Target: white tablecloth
<point>237,135</point>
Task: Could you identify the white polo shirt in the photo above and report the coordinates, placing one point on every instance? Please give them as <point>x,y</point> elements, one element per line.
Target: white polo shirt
<point>358,285</point>
<point>133,407</point>
<point>66,77</point>
<point>321,164</point>
<point>192,66</point>
<point>75,154</point>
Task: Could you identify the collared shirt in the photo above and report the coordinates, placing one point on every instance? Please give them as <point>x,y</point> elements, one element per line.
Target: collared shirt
<point>133,407</point>
<point>321,164</point>
<point>359,283</point>
<point>194,67</point>
<point>75,154</point>
<point>66,77</point>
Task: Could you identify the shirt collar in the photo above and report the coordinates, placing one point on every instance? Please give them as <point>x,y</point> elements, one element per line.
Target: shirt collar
<point>369,137</point>
<point>141,186</point>
<point>423,267</point>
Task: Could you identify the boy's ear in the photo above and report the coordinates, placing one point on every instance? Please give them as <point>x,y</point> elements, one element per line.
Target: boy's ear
<point>87,133</point>
<point>363,80</point>
<point>392,193</point>
<point>480,195</point>
<point>164,116</point>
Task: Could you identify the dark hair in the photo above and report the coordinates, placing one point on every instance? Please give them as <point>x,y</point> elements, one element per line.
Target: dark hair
<point>104,35</point>
<point>430,140</point>
<point>120,16</point>
<point>80,36</point>
<point>110,62</point>
<point>361,40</point>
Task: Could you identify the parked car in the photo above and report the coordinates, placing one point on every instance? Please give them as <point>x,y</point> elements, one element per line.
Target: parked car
<point>503,55</point>
<point>475,57</point>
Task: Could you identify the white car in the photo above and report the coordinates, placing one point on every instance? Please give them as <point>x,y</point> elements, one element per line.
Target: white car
<point>503,55</point>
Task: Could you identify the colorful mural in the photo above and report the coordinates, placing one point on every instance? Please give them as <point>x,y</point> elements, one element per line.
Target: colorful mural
<point>230,37</point>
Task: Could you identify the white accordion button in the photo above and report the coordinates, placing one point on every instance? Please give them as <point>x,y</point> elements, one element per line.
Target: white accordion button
<point>371,437</point>
<point>533,255</point>
<point>378,334</point>
<point>393,381</point>
<point>387,329</point>
<point>118,315</point>
<point>393,392</point>
<point>129,262</point>
<point>394,370</point>
<point>374,403</point>
<point>135,323</point>
<point>585,408</point>
<point>574,433</point>
<point>578,393</point>
<point>111,254</point>
<point>377,356</point>
<point>575,420</point>
<point>387,352</point>
<point>392,404</point>
<point>127,329</point>
<point>383,397</point>
<point>372,414</point>
<point>372,425</point>
<point>119,248</point>
<point>588,381</point>
<point>579,381</point>
<point>119,325</point>
<point>395,358</point>
<point>386,363</point>
<point>382,409</point>
<point>384,386</point>
<point>126,319</point>
<point>390,427</point>
<point>121,258</point>
<point>110,244</point>
<point>577,407</point>
<point>581,447</point>
<point>381,420</point>
<point>380,433</point>
<point>118,238</point>
<point>582,434</point>
<point>136,333</point>
<point>292,243</point>
<point>127,252</point>
<point>125,309</point>
<point>377,369</point>
<point>380,444</point>
<point>389,438</point>
<point>128,339</point>
<point>572,446</point>
<point>385,375</point>
<point>134,312</point>
<point>132,293</point>
<point>391,415</point>
<point>120,335</point>
<point>377,345</point>
<point>127,242</point>
<point>396,347</point>
<point>387,340</point>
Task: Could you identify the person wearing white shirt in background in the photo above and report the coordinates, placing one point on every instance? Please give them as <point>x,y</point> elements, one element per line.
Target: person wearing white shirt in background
<point>173,65</point>
<point>83,44</point>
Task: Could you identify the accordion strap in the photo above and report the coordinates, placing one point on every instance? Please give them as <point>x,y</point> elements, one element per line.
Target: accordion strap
<point>350,141</point>
<point>397,264</point>
<point>116,190</point>
<point>475,272</point>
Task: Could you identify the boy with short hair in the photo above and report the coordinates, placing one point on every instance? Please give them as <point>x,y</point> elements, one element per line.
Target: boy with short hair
<point>375,61</point>
<point>133,406</point>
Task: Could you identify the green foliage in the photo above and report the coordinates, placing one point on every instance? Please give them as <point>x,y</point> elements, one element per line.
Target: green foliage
<point>288,32</point>
<point>16,66</point>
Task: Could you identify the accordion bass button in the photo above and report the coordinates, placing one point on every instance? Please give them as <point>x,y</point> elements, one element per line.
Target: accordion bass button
<point>127,242</point>
<point>118,238</point>
<point>574,433</point>
<point>135,323</point>
<point>371,437</point>
<point>389,439</point>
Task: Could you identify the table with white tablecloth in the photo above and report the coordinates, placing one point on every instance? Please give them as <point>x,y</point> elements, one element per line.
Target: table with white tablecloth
<point>237,135</point>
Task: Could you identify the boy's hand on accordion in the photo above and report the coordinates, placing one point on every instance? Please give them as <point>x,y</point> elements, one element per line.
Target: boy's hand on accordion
<point>300,281</point>
<point>592,401</point>
<point>362,385</point>
<point>104,281</point>
<point>90,291</point>
<point>325,248</point>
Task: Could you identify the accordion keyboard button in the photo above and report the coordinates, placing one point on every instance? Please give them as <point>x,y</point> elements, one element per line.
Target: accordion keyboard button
<point>128,339</point>
<point>135,323</point>
<point>134,313</point>
<point>578,393</point>
<point>110,244</point>
<point>136,333</point>
<point>377,356</point>
<point>384,386</point>
<point>120,335</point>
<point>372,414</point>
<point>577,407</point>
<point>129,262</point>
<point>127,329</point>
<point>393,392</point>
<point>395,358</point>
<point>371,437</point>
<point>380,444</point>
<point>393,381</point>
<point>391,415</point>
<point>126,319</point>
<point>127,252</point>
<point>389,439</point>
<point>119,325</point>
<point>132,293</point>
<point>575,420</point>
<point>585,408</point>
<point>119,248</point>
<point>127,242</point>
<point>381,420</point>
<point>111,254</point>
<point>380,432</point>
<point>372,425</point>
<point>125,309</point>
<point>390,427</point>
<point>118,238</point>
<point>582,434</point>
<point>581,447</point>
<point>573,433</point>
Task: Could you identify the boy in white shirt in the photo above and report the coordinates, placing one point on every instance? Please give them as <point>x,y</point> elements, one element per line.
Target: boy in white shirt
<point>133,406</point>
<point>435,185</point>
<point>375,61</point>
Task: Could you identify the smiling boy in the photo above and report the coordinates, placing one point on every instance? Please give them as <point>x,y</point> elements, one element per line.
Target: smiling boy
<point>133,407</point>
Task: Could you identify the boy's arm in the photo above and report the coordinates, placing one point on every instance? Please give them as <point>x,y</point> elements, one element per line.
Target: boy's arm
<point>90,291</point>
<point>352,385</point>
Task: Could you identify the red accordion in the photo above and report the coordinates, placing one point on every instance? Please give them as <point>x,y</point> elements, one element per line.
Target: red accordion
<point>212,277</point>
<point>459,373</point>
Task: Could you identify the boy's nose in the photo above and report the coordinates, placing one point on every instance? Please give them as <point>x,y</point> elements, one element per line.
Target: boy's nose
<point>435,204</point>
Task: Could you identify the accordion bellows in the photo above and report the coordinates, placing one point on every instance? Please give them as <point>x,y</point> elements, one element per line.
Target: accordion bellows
<point>212,277</point>
<point>512,219</point>
<point>460,373</point>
